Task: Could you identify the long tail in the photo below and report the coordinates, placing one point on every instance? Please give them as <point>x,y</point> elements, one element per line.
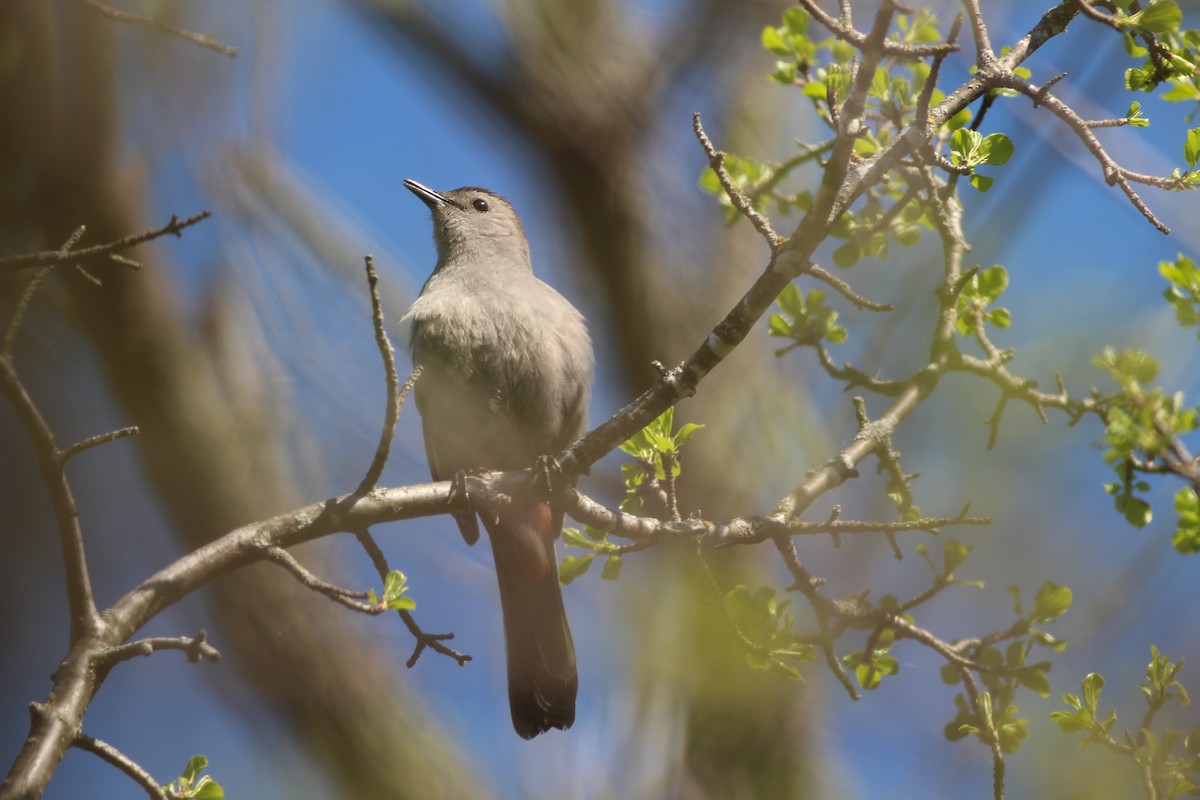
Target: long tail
<point>542,679</point>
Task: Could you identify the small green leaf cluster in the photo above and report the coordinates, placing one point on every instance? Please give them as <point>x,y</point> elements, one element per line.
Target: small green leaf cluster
<point>1169,54</point>
<point>796,51</point>
<point>1009,671</point>
<point>1007,726</point>
<point>1184,291</point>
<point>867,229</point>
<point>596,541</point>
<point>1169,760</point>
<point>980,291</point>
<point>1084,711</point>
<point>870,669</point>
<point>1191,154</point>
<point>1134,116</point>
<point>954,554</point>
<point>971,149</point>
<point>656,450</point>
<point>1187,533</point>
<point>804,320</point>
<point>395,591</point>
<point>822,69</point>
<point>763,620</point>
<point>757,182</point>
<point>1142,424</point>
<point>191,784</point>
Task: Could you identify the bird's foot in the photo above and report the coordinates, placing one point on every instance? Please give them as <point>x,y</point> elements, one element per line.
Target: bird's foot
<point>550,475</point>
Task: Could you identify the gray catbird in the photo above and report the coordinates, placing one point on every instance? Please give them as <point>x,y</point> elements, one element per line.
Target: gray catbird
<point>507,370</point>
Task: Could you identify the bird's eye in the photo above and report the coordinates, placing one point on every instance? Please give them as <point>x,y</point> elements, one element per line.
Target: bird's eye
<point>480,204</point>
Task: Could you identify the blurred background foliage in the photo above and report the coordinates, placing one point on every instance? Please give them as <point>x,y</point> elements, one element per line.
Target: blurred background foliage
<point>244,352</point>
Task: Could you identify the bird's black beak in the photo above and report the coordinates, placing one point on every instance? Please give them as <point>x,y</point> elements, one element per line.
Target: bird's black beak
<point>427,196</point>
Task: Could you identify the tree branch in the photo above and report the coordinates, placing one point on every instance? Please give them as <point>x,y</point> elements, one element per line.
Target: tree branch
<point>51,257</point>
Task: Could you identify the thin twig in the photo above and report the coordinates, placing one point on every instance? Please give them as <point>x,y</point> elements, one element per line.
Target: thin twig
<point>122,762</point>
<point>52,257</point>
<point>98,439</point>
<point>395,398</point>
<point>1114,173</point>
<point>10,331</point>
<point>204,40</point>
<point>845,290</point>
<point>931,524</point>
<point>196,647</point>
<point>842,30</point>
<point>716,160</point>
<point>355,601</point>
<point>434,641</point>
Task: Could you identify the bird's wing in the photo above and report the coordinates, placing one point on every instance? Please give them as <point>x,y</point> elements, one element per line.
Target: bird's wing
<point>441,428</point>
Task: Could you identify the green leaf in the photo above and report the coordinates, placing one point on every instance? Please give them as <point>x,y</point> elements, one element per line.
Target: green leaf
<point>1161,16</point>
<point>1093,684</point>
<point>791,301</point>
<point>984,703</point>
<point>816,90</point>
<point>195,766</point>
<point>1069,722</point>
<point>1129,367</point>
<point>990,283</point>
<point>964,143</point>
<point>209,790</point>
<point>1035,679</point>
<point>572,567</point>
<point>953,555</point>
<point>847,255</point>
<point>1137,512</point>
<point>1191,147</point>
<point>995,149</point>
<point>982,182</point>
<point>999,317</point>
<point>573,538</point>
<point>1134,116</point>
<point>1181,91</point>
<point>685,432</point>
<point>870,675</point>
<point>771,40</point>
<point>795,19</point>
<point>612,568</point>
<point>395,587</point>
<point>1187,533</point>
<point>1052,602</point>
<point>880,83</point>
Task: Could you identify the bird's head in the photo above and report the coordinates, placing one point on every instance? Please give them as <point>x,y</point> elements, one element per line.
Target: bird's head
<point>474,226</point>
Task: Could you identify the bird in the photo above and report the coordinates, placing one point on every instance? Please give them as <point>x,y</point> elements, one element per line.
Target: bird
<point>506,378</point>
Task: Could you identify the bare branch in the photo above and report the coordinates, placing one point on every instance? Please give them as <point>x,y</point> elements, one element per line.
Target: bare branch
<point>85,618</point>
<point>98,439</point>
<point>196,647</point>
<point>204,40</point>
<point>122,762</point>
<point>842,30</point>
<point>433,641</point>
<point>1114,173</point>
<point>395,399</point>
<point>350,599</point>
<point>845,290</point>
<point>716,160</point>
<point>14,324</point>
<point>52,257</point>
